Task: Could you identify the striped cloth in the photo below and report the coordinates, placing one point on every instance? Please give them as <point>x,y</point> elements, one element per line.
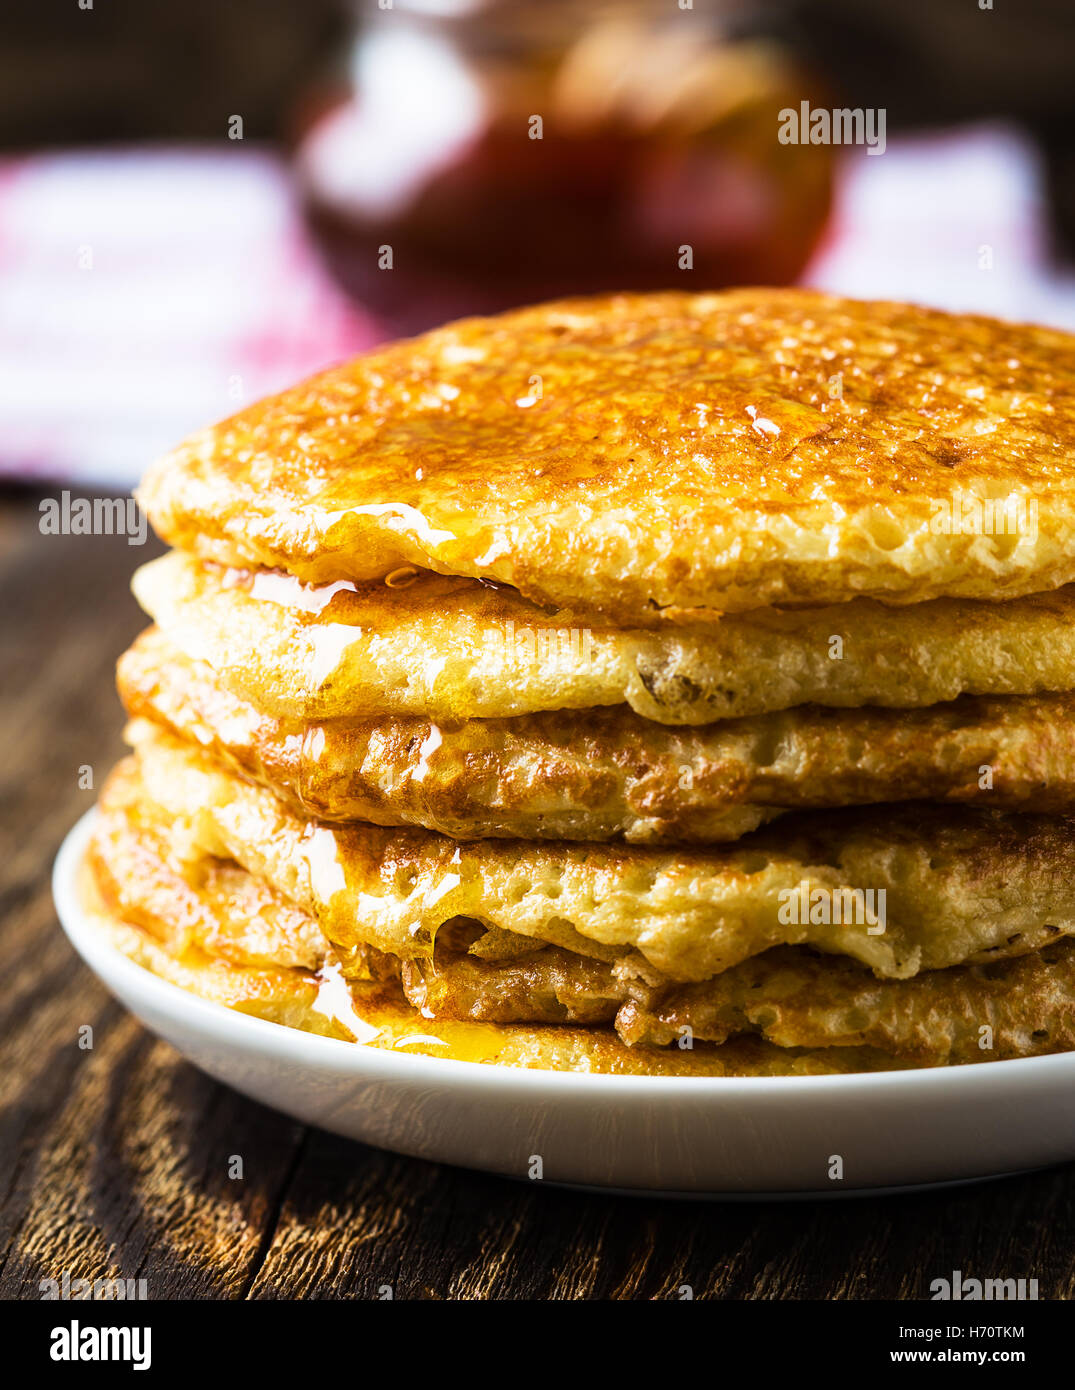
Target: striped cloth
<point>147,292</point>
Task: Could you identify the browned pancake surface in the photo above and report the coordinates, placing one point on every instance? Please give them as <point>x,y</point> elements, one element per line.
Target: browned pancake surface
<point>642,455</point>
<point>455,649</point>
<point>961,884</point>
<point>198,921</point>
<point>607,773</point>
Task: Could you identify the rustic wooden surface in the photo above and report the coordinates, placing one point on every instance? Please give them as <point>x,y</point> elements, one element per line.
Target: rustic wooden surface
<point>113,1162</point>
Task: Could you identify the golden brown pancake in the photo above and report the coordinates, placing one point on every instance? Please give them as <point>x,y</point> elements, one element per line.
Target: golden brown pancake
<point>197,902</point>
<point>324,1003</point>
<point>962,884</point>
<point>457,649</point>
<point>789,996</point>
<point>643,456</point>
<point>1018,1007</point>
<point>607,773</point>
<point>193,935</point>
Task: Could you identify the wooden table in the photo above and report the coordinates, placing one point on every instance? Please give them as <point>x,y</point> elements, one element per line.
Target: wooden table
<point>114,1161</point>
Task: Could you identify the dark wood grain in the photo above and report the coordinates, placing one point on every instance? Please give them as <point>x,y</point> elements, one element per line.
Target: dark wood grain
<point>114,1161</point>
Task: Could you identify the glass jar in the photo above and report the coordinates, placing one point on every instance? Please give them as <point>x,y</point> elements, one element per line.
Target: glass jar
<point>498,152</point>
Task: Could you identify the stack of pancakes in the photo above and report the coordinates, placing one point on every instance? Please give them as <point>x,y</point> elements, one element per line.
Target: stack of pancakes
<point>666,684</point>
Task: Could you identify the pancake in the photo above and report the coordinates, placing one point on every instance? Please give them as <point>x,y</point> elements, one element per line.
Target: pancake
<point>194,935</point>
<point>962,884</point>
<point>640,457</point>
<point>606,774</point>
<point>323,1003</point>
<point>455,649</point>
<point>1020,1007</point>
<point>201,903</point>
<point>789,996</point>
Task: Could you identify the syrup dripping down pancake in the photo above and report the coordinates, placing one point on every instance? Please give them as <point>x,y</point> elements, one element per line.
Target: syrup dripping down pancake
<point>960,884</point>
<point>456,649</point>
<point>206,924</point>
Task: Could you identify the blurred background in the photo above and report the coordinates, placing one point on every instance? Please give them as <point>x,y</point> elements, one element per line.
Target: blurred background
<point>201,202</point>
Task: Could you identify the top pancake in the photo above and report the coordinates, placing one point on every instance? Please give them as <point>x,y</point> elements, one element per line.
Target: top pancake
<point>641,455</point>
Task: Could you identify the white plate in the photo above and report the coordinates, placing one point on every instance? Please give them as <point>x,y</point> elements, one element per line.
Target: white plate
<point>688,1135</point>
